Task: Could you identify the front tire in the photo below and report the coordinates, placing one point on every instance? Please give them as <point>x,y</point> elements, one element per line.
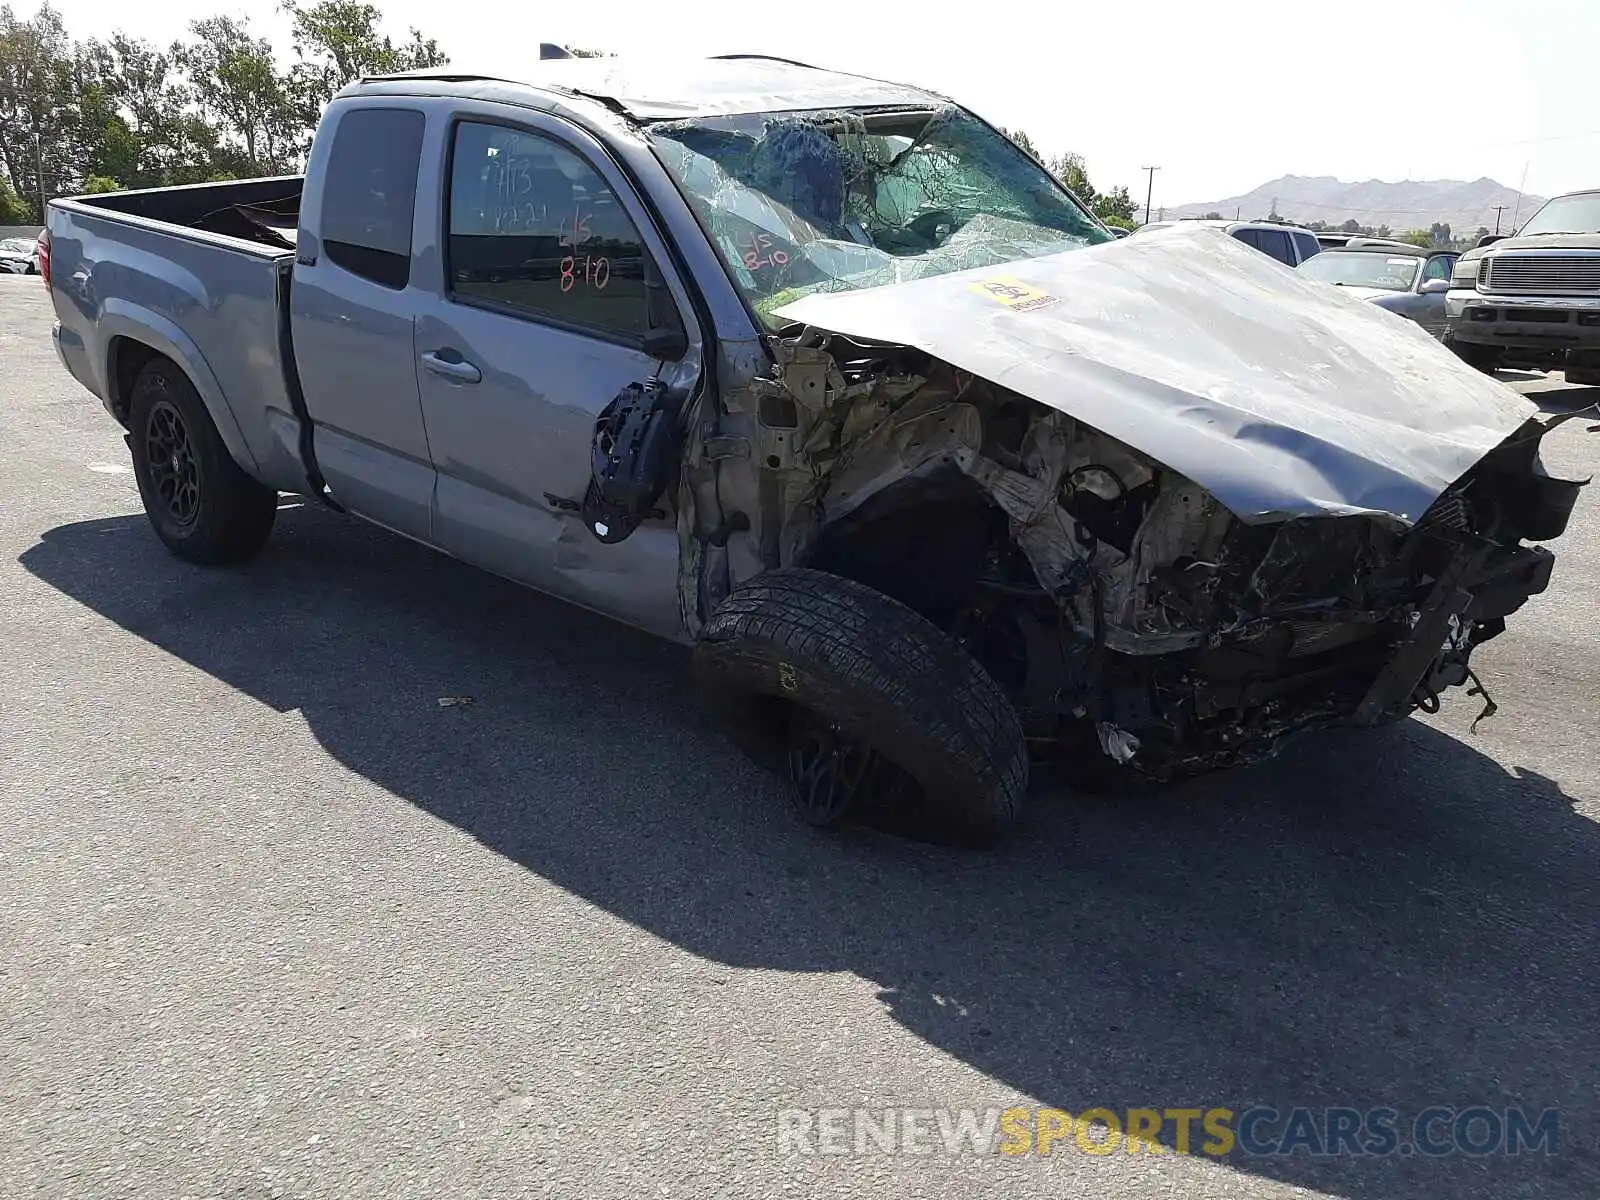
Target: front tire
<point>203,507</point>
<point>859,696</point>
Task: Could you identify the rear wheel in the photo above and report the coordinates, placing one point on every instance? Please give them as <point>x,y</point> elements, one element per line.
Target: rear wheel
<point>202,506</point>
<point>865,706</point>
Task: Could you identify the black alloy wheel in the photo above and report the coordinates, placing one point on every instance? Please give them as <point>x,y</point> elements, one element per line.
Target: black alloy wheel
<point>174,469</point>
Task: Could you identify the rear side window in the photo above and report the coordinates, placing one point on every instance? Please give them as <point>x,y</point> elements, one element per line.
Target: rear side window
<point>1274,242</point>
<point>369,193</point>
<point>536,231</point>
<point>1307,245</point>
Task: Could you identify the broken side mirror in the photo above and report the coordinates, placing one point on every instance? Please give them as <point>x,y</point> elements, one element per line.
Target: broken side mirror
<point>634,457</point>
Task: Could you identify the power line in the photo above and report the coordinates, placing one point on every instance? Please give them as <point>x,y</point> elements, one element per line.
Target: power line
<point>1555,137</point>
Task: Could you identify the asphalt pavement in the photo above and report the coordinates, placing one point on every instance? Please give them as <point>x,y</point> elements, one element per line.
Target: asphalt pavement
<point>278,922</point>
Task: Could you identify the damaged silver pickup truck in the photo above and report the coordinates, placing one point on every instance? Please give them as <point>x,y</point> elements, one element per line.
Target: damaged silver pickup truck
<point>825,377</point>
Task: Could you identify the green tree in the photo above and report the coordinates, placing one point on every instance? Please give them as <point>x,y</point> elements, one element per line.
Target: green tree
<point>14,210</point>
<point>337,42</point>
<point>170,141</point>
<point>97,184</point>
<point>1116,207</point>
<point>39,121</point>
<point>238,89</point>
<point>1023,141</point>
<point>214,105</point>
<point>1418,237</point>
<point>1070,169</point>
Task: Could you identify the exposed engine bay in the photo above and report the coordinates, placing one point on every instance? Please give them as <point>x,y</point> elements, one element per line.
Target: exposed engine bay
<point>1121,605</point>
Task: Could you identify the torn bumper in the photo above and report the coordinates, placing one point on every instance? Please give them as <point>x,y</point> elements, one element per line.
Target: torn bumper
<point>1429,660</point>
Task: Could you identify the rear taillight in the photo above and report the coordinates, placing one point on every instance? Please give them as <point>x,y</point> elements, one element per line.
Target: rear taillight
<point>44,257</point>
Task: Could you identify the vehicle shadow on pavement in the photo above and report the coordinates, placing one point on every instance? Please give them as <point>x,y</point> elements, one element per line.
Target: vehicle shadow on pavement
<point>1565,399</point>
<point>1382,919</point>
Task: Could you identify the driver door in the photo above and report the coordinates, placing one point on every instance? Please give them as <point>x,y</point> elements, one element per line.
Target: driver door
<point>541,320</point>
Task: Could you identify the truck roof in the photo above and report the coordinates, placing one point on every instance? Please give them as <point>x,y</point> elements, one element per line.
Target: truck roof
<point>652,89</point>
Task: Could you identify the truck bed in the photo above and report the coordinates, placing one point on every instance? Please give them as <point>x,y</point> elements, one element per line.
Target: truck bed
<point>200,274</point>
<point>266,211</point>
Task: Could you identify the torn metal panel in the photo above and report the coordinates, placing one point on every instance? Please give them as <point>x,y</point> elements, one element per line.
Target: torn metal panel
<point>1277,394</point>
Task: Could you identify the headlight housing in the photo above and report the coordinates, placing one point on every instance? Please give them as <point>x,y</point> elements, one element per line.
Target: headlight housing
<point>1465,273</point>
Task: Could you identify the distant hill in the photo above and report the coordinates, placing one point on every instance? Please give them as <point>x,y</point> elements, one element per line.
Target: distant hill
<point>1401,206</point>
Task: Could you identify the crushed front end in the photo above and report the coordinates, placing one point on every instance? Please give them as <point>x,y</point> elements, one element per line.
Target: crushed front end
<point>1125,610</point>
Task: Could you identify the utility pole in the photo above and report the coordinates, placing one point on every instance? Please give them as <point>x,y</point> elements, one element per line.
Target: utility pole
<point>1498,209</point>
<point>1149,191</point>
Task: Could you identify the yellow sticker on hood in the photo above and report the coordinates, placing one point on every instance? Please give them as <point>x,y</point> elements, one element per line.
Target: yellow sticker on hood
<point>1013,293</point>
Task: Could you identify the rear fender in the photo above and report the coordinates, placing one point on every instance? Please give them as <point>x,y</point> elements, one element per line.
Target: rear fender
<point>121,319</point>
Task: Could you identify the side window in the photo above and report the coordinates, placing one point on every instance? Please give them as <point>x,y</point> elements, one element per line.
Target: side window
<point>1439,267</point>
<point>535,230</point>
<point>369,193</point>
<point>1276,243</point>
<point>1307,245</point>
<point>1248,237</point>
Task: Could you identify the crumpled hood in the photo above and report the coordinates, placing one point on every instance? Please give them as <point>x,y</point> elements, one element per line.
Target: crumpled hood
<point>1280,395</point>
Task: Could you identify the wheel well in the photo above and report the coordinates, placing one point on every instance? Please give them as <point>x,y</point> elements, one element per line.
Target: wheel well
<point>924,541</point>
<point>128,358</point>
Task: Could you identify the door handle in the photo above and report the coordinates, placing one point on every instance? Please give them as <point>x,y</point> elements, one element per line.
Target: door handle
<point>456,367</point>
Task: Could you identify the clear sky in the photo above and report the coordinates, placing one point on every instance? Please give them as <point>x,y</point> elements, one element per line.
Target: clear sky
<point>1221,96</point>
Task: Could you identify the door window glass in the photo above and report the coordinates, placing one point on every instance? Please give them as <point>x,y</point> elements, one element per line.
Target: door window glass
<point>1276,243</point>
<point>535,230</point>
<point>369,193</point>
<point>1439,267</point>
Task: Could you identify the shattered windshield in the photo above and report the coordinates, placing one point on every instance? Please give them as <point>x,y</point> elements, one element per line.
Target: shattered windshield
<point>808,202</point>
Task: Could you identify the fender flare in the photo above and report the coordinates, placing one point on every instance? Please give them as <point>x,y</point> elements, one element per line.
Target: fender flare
<point>120,319</point>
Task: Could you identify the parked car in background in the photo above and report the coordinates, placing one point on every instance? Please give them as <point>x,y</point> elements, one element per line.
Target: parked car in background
<point>1338,241</point>
<point>1289,244</point>
<point>19,256</point>
<point>1533,299</point>
<point>1404,279</point>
